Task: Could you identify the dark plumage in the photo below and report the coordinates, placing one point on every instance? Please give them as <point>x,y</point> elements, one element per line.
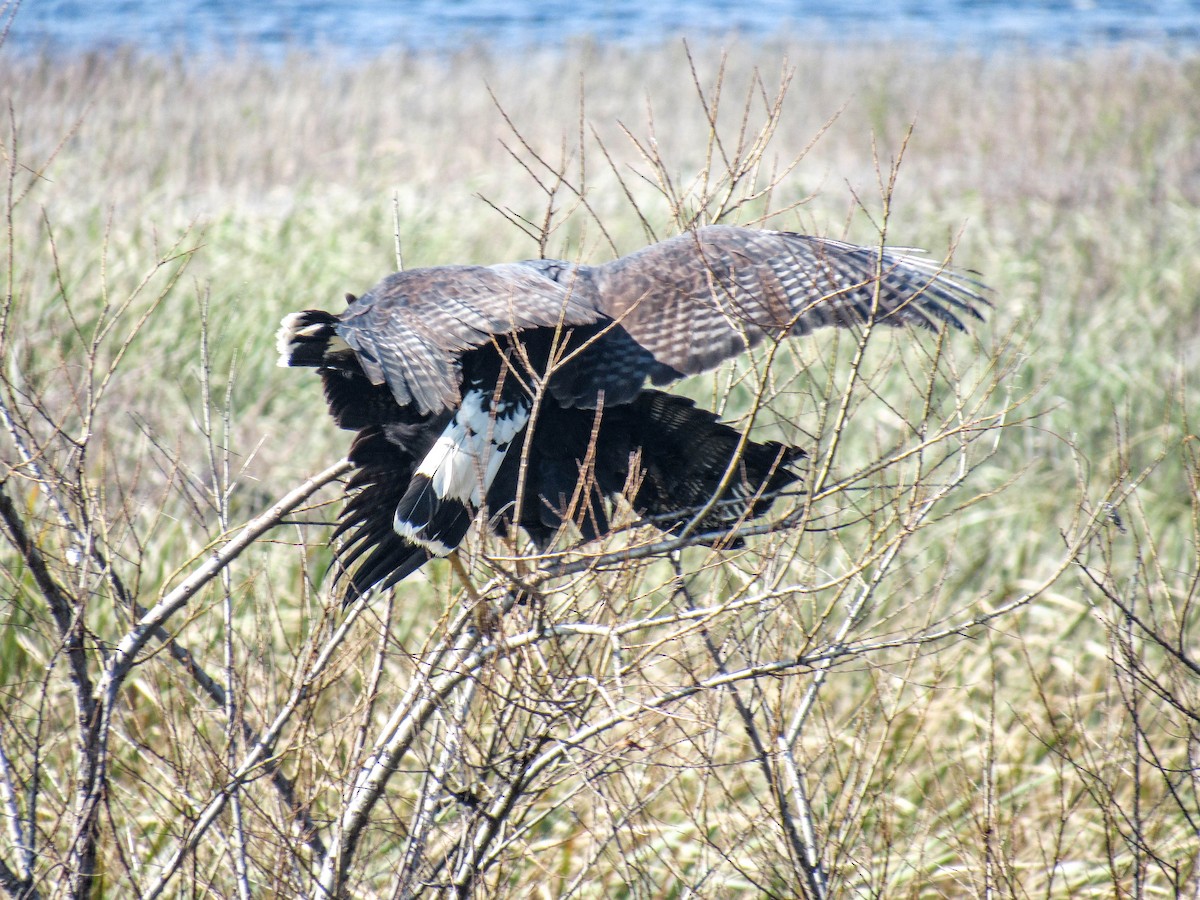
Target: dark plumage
<point>453,375</point>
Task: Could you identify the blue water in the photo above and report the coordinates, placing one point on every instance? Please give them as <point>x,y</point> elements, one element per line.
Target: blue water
<point>359,28</point>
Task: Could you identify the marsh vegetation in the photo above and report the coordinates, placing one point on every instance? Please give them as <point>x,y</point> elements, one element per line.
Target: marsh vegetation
<point>963,663</point>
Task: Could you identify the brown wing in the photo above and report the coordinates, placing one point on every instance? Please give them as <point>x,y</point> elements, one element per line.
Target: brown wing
<point>410,329</point>
<point>700,298</point>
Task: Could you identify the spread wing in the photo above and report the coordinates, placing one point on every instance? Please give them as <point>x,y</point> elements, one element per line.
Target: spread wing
<point>371,551</point>
<point>693,301</point>
<point>674,308</point>
<point>411,328</point>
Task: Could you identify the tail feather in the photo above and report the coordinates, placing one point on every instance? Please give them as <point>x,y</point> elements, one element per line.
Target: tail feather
<point>390,560</point>
<point>369,552</point>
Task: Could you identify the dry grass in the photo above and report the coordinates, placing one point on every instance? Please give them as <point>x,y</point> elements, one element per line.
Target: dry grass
<point>1012,708</point>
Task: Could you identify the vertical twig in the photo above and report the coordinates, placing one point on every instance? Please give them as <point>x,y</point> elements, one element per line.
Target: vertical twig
<point>455,657</point>
<point>802,842</point>
<point>12,813</point>
<point>434,787</point>
<point>219,478</point>
<point>396,231</point>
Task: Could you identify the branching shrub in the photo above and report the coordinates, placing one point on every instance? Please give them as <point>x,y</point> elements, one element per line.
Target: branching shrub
<point>188,707</point>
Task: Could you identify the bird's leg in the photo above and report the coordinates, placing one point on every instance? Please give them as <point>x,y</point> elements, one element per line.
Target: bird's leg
<point>485,618</point>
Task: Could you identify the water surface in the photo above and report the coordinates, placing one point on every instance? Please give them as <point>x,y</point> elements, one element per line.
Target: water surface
<point>359,28</point>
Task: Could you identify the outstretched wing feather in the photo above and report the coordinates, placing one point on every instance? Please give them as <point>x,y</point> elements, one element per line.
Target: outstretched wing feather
<point>410,329</point>
<point>703,297</point>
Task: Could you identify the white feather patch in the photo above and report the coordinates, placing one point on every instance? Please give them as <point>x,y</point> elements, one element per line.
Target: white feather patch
<point>469,452</point>
<point>291,332</point>
<point>410,532</point>
<point>284,337</point>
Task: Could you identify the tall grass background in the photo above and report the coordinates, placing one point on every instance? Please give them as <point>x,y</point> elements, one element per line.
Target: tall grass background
<point>1051,751</point>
